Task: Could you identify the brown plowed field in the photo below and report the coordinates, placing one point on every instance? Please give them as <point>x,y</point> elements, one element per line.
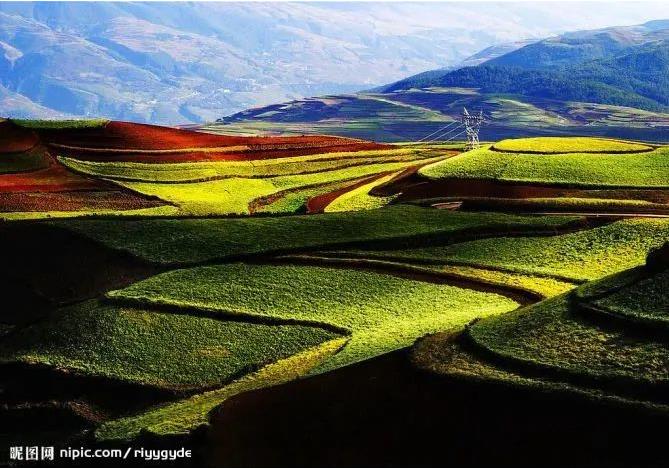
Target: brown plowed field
<point>55,178</point>
<point>414,187</point>
<point>130,136</point>
<point>15,139</point>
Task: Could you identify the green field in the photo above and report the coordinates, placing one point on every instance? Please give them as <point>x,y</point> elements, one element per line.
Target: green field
<point>206,170</point>
<point>576,257</point>
<point>541,287</point>
<point>554,145</point>
<point>548,337</point>
<point>184,241</point>
<point>183,416</point>
<point>232,196</point>
<point>381,312</point>
<point>644,301</point>
<point>60,124</point>
<point>360,199</point>
<point>638,170</point>
<point>583,342</point>
<point>151,348</point>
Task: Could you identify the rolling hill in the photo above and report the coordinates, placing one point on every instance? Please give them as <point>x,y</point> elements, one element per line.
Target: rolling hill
<point>611,82</point>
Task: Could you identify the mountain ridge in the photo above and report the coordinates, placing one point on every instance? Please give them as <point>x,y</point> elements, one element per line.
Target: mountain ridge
<point>192,62</point>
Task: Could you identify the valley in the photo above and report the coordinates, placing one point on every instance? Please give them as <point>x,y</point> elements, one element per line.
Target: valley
<point>164,279</point>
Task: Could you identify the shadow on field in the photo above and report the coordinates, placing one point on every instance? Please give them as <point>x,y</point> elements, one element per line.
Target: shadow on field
<point>383,412</point>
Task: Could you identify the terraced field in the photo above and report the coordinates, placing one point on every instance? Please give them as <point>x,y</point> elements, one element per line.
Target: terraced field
<point>165,275</point>
<point>572,257</point>
<point>630,166</point>
<point>544,175</point>
<point>584,342</point>
<point>136,170</point>
<point>134,344</point>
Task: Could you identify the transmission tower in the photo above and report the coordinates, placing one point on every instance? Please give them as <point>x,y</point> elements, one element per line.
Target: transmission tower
<point>472,124</point>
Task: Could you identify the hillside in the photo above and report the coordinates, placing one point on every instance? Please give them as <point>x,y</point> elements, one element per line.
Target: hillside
<point>637,78</point>
<point>412,114</point>
<point>193,62</point>
<point>566,50</point>
<point>612,82</point>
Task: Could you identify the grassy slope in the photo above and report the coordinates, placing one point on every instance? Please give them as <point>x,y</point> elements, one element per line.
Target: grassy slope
<point>161,211</point>
<point>443,354</point>
<point>193,240</point>
<point>580,256</point>
<point>183,416</point>
<point>294,201</point>
<point>568,145</point>
<point>360,199</point>
<point>164,350</point>
<point>552,346</point>
<point>545,287</point>
<point>382,312</point>
<point>548,336</point>
<point>646,300</point>
<point>649,169</point>
<point>537,286</point>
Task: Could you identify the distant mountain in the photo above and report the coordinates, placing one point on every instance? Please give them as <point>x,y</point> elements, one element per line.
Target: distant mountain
<point>577,47</point>
<point>190,62</point>
<point>621,89</point>
<point>637,78</point>
<point>560,52</point>
<point>490,53</point>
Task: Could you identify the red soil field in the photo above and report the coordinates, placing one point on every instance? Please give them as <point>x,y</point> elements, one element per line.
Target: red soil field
<point>15,139</point>
<point>72,201</point>
<point>130,136</point>
<point>55,178</point>
<point>57,188</point>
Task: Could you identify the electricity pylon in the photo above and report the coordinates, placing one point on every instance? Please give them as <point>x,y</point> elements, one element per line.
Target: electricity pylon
<point>472,125</point>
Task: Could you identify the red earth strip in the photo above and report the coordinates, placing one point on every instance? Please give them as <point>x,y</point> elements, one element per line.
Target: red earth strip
<point>55,178</point>
<point>14,139</point>
<point>120,135</point>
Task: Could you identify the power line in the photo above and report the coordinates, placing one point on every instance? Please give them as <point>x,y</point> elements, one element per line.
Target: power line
<point>446,134</point>
<point>454,136</point>
<point>443,134</point>
<point>439,130</point>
